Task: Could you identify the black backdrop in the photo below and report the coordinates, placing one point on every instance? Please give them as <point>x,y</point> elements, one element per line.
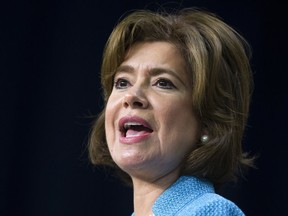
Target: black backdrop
<point>50,58</point>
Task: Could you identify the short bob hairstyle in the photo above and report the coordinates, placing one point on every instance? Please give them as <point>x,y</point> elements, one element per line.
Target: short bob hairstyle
<point>217,58</point>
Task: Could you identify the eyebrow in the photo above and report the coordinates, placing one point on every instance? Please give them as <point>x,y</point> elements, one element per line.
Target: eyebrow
<point>125,68</point>
<point>153,71</point>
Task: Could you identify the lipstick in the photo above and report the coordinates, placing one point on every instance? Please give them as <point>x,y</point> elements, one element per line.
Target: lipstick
<point>134,129</point>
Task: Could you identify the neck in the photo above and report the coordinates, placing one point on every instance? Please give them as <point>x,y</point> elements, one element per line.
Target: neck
<point>147,191</point>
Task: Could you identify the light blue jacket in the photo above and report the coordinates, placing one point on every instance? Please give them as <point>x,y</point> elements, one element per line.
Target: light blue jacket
<point>190,196</point>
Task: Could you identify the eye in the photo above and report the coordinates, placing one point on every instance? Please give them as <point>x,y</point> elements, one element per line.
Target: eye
<point>164,84</point>
<point>121,83</point>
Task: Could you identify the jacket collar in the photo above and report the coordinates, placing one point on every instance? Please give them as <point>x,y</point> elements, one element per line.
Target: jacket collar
<point>184,190</point>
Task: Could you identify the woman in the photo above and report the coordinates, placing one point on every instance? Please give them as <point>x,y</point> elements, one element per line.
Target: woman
<point>176,92</point>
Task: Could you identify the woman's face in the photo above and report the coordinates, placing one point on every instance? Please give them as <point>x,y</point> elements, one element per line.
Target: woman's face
<point>149,122</point>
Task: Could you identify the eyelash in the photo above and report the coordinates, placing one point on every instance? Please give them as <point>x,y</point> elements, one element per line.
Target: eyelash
<point>168,84</point>
<point>117,83</point>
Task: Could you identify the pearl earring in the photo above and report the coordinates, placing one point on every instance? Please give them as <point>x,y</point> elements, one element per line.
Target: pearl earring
<point>204,138</point>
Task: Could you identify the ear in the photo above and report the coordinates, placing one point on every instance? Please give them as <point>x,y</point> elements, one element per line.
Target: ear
<point>204,131</point>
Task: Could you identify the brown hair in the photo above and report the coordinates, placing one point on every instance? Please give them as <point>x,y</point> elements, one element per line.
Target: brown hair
<point>217,58</point>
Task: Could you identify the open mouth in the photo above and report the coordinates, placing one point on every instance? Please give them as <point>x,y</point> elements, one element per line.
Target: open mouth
<point>134,127</point>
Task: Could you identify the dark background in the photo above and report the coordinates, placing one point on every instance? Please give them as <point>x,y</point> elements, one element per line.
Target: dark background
<point>50,55</point>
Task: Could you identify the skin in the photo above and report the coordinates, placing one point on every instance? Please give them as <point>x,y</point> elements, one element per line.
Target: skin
<point>152,84</point>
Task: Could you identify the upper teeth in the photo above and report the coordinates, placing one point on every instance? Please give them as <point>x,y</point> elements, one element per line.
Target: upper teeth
<point>129,124</point>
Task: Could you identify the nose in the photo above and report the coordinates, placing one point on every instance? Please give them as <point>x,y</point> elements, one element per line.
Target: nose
<point>135,98</point>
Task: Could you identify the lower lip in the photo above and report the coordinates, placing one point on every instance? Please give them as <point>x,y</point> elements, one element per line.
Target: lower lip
<point>134,139</point>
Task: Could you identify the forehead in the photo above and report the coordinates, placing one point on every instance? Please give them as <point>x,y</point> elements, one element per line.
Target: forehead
<point>156,51</point>
<point>155,55</point>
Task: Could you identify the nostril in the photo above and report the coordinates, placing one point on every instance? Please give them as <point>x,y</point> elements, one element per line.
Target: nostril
<point>137,104</point>
<point>134,101</point>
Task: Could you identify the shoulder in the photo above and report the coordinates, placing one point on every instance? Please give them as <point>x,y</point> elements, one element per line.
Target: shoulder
<point>210,204</point>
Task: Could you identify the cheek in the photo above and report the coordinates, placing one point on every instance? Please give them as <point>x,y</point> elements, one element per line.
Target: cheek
<point>111,109</point>
<point>108,129</point>
<point>110,116</point>
<point>178,123</point>
<point>175,112</point>
<point>107,121</point>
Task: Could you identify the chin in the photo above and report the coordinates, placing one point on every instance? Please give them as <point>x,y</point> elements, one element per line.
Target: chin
<point>131,163</point>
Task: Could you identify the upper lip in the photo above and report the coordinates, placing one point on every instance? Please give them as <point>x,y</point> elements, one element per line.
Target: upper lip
<point>127,121</point>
